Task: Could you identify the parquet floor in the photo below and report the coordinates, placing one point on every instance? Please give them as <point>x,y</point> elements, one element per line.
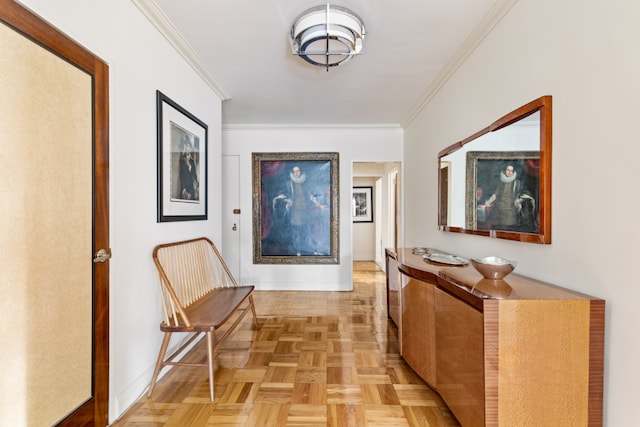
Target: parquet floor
<point>317,359</point>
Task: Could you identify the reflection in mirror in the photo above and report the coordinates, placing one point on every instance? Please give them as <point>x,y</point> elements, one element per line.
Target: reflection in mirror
<point>497,182</point>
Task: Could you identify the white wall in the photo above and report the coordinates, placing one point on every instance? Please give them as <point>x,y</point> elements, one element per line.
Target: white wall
<point>584,54</point>
<point>140,61</point>
<point>360,144</point>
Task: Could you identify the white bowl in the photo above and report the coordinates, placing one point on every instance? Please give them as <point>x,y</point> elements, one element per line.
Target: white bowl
<point>493,267</point>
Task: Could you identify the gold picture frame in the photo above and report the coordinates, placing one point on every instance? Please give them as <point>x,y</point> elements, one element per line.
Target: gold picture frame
<point>295,208</point>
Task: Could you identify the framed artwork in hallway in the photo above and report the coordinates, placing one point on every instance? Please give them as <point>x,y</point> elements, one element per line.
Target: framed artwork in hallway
<point>362,204</point>
<point>182,163</point>
<point>295,208</point>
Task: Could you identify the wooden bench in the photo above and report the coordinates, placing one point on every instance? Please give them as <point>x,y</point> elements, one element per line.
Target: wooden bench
<point>199,295</point>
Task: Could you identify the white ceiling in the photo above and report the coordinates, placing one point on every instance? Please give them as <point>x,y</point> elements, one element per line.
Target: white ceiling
<point>241,47</point>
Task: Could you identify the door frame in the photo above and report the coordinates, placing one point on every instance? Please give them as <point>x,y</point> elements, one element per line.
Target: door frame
<point>95,410</point>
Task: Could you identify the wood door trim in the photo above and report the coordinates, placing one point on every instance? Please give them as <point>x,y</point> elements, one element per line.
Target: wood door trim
<point>95,410</point>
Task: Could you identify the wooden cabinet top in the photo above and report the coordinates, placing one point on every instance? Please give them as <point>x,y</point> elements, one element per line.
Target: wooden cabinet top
<point>469,285</point>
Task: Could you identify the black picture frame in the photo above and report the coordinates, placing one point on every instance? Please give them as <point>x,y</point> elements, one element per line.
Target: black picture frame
<point>362,204</point>
<point>295,217</point>
<point>182,163</point>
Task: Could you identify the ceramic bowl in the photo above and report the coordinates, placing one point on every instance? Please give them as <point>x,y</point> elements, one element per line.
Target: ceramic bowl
<point>493,267</point>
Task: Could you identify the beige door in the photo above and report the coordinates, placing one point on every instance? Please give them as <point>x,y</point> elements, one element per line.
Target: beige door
<point>54,210</point>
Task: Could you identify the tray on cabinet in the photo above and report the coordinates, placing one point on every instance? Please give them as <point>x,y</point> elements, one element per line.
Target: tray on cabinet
<point>446,259</point>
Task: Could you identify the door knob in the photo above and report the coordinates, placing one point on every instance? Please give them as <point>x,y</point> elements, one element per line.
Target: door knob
<point>102,255</point>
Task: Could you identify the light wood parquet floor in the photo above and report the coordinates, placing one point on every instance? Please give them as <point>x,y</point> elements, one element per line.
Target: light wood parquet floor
<point>316,359</point>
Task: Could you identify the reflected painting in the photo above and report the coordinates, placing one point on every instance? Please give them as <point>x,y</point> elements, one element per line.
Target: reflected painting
<point>502,190</point>
<point>497,182</point>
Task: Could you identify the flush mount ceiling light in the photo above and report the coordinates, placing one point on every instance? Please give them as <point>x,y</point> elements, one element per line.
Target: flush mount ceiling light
<point>327,36</point>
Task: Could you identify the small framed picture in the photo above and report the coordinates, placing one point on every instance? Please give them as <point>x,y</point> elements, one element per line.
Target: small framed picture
<point>182,163</point>
<point>362,204</point>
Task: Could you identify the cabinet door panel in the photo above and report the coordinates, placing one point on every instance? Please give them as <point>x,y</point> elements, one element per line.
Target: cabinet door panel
<point>418,329</point>
<point>460,361</point>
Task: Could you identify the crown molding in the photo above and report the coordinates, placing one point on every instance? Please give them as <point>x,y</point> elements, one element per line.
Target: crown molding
<point>490,20</point>
<point>231,127</point>
<point>159,20</point>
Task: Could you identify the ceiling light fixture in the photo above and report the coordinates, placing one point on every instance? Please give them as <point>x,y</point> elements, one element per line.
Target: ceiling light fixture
<point>327,36</point>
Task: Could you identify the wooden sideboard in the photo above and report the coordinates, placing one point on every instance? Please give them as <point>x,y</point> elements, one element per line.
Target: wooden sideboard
<point>514,352</point>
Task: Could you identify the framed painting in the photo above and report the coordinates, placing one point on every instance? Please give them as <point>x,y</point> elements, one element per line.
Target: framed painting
<point>362,204</point>
<point>503,191</point>
<point>295,208</point>
<point>182,163</point>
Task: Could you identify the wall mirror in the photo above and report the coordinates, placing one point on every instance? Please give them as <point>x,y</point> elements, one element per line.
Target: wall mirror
<point>497,182</point>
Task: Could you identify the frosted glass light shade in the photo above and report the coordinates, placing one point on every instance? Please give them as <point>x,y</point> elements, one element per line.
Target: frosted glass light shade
<point>327,36</point>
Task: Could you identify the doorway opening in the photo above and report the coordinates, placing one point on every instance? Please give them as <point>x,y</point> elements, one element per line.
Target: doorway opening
<point>380,230</point>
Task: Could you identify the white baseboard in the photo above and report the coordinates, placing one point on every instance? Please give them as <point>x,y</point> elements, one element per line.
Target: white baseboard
<point>127,397</point>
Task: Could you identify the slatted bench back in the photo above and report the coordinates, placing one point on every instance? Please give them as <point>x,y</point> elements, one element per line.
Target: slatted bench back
<point>189,271</point>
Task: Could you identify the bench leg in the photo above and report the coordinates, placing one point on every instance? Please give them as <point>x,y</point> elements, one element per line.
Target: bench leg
<point>210,342</point>
<point>253,311</point>
<point>159,363</point>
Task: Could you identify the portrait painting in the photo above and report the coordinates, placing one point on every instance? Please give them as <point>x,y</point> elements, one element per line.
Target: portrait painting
<point>295,208</point>
<point>503,191</point>
<point>182,163</point>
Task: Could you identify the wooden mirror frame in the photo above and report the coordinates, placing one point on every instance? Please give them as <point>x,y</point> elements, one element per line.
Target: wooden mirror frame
<point>543,106</point>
